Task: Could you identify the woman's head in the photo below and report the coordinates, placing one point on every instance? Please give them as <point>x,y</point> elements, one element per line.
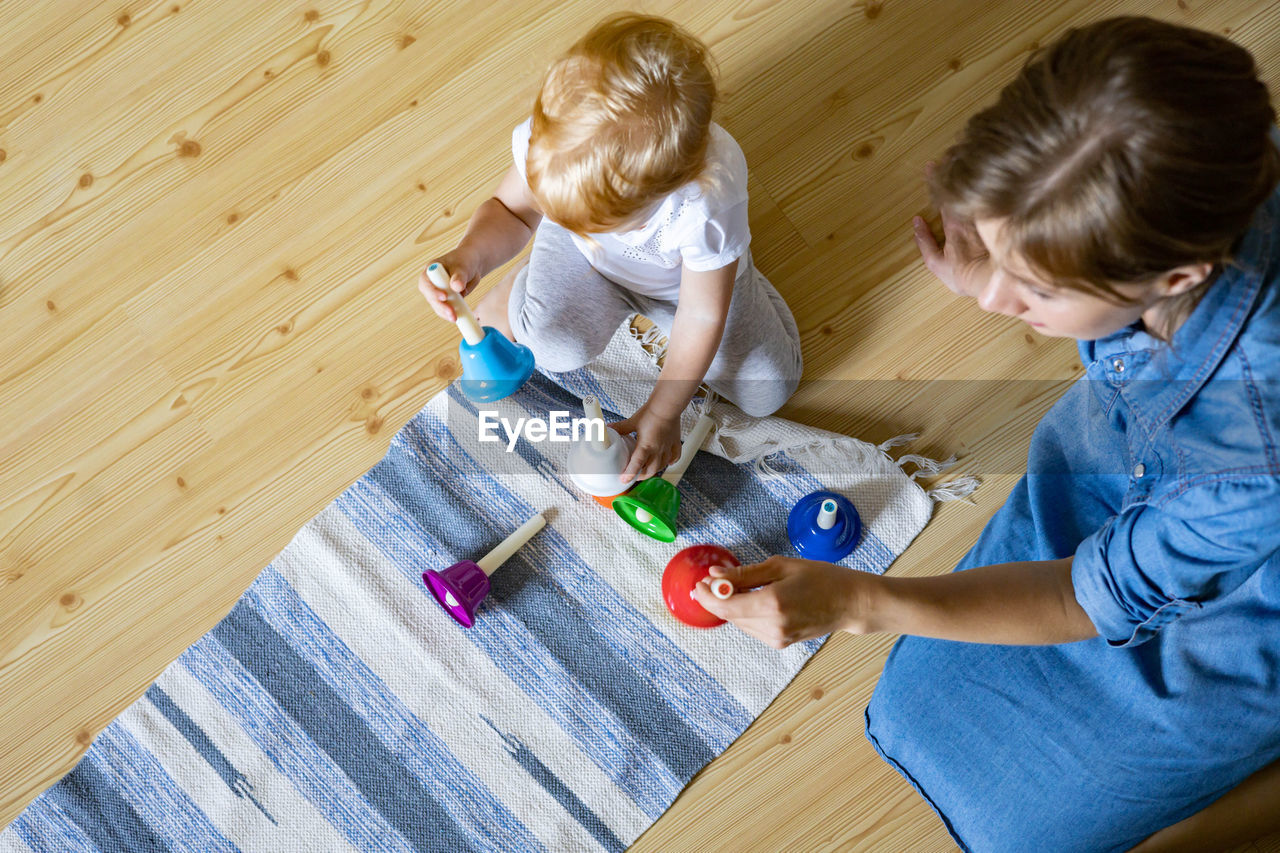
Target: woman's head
<point>1115,173</point>
<point>622,120</point>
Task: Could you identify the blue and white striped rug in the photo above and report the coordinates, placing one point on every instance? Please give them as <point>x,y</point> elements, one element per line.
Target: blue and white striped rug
<point>338,708</point>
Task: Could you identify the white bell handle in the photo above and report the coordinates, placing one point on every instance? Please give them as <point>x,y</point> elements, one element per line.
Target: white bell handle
<point>692,445</point>
<point>522,534</point>
<point>721,588</point>
<point>472,333</point>
<point>591,407</point>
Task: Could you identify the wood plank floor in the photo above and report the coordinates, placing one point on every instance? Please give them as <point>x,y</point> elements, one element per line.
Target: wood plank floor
<point>213,218</point>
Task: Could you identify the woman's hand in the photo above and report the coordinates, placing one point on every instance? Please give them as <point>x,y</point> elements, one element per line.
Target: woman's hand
<point>794,599</point>
<point>961,262</point>
<point>657,442</point>
<point>464,274</point>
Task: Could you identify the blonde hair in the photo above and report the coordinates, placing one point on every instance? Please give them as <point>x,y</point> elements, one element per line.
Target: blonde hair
<point>622,119</point>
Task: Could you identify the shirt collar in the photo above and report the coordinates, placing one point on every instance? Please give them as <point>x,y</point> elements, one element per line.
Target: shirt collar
<point>1172,373</point>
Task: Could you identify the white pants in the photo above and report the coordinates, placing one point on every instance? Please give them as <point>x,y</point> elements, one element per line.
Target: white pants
<point>566,312</point>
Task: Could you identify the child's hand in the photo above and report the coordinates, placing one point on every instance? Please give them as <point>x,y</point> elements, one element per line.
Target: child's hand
<point>464,274</point>
<point>657,442</point>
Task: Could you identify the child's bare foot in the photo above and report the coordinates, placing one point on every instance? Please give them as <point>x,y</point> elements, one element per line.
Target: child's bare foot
<point>492,309</point>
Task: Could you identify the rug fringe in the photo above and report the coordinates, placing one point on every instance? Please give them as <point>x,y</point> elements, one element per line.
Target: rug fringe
<point>834,450</point>
<point>897,441</point>
<point>958,489</point>
<point>926,467</point>
<point>653,343</point>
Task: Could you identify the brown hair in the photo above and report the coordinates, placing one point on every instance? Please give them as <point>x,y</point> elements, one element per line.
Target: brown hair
<point>1126,149</point>
<point>623,119</point>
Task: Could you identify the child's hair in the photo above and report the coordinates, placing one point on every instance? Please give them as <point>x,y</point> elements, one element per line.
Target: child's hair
<point>1126,149</point>
<point>622,120</point>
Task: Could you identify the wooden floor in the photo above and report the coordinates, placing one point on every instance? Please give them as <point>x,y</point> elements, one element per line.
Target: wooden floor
<point>213,216</point>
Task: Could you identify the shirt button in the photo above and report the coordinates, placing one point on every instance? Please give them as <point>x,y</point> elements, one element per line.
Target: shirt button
<point>1139,470</point>
<point>1118,365</point>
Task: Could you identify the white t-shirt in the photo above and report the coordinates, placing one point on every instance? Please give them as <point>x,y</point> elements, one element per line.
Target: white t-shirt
<point>703,229</point>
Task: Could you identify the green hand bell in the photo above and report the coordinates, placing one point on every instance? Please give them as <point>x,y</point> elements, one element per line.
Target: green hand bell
<point>651,505</point>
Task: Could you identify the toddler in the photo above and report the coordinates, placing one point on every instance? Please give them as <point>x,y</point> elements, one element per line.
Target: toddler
<point>637,202</point>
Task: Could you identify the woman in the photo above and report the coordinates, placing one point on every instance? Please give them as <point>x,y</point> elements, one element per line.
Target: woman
<point>1106,662</point>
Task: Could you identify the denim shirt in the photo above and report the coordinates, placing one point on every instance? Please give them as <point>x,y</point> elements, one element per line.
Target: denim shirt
<point>1187,433</point>
<point>1159,473</point>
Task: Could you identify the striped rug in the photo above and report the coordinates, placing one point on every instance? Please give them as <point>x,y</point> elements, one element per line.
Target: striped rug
<point>337,707</point>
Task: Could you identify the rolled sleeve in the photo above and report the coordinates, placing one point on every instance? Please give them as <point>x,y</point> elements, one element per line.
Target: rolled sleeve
<point>1156,561</point>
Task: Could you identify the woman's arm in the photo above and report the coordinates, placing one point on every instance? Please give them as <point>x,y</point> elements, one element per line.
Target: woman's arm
<point>701,312</point>
<point>1029,603</point>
